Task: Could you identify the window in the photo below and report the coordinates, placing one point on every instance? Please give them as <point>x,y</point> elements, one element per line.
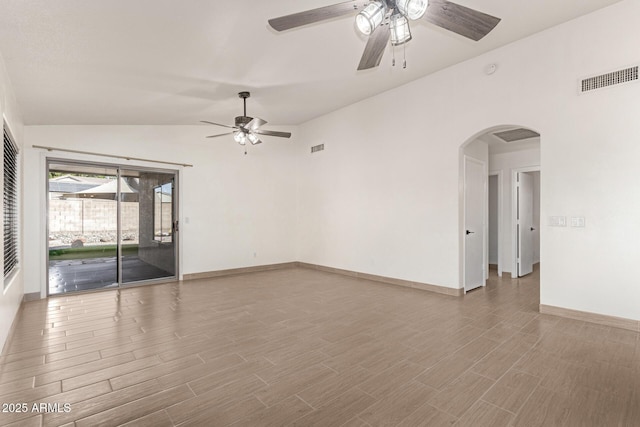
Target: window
<point>10,156</point>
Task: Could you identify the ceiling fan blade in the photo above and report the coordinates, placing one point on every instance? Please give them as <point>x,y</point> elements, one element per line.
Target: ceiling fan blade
<point>316,15</point>
<point>222,134</point>
<point>218,124</point>
<point>255,123</point>
<point>374,49</point>
<point>273,133</point>
<point>461,20</point>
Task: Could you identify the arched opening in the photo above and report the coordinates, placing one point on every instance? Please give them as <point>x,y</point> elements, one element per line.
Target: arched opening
<point>499,205</point>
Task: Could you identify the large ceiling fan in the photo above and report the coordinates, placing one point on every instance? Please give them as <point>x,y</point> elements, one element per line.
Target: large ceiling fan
<point>382,20</point>
<point>247,128</point>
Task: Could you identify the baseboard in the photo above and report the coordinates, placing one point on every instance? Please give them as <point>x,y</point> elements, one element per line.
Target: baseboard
<point>388,280</point>
<point>33,296</point>
<point>236,271</point>
<point>382,279</point>
<point>601,319</point>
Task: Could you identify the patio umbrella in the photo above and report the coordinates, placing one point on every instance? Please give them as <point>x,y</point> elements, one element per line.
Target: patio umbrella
<point>108,191</point>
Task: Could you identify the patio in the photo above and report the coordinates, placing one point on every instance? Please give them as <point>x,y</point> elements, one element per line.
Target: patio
<point>98,273</point>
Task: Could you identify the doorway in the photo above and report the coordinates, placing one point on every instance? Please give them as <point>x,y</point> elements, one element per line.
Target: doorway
<point>109,226</point>
<point>505,149</point>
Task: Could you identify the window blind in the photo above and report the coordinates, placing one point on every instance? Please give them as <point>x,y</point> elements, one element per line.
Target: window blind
<point>10,156</point>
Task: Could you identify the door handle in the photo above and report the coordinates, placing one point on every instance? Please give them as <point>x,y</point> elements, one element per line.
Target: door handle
<point>470,232</point>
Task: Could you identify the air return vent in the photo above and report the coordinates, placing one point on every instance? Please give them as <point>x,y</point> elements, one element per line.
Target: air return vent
<point>609,79</point>
<point>516,135</point>
<point>317,148</point>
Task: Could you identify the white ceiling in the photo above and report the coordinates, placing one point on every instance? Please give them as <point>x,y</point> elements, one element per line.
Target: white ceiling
<point>178,62</point>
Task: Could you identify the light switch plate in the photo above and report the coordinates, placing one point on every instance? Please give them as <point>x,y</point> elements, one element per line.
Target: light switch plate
<point>577,221</point>
<point>558,221</point>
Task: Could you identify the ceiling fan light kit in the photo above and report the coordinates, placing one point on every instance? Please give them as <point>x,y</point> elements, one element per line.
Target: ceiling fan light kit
<point>240,138</point>
<point>388,20</point>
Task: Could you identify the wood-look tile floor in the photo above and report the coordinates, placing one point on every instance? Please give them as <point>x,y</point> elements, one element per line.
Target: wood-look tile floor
<point>303,348</point>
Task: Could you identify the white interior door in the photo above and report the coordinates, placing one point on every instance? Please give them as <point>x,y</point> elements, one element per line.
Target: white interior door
<point>474,213</point>
<point>525,224</point>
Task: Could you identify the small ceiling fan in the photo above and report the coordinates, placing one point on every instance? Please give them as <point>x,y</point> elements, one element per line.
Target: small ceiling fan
<point>247,128</point>
<point>382,20</point>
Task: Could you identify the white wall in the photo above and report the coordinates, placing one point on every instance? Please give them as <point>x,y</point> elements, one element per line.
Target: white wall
<point>232,206</point>
<point>384,196</point>
<point>11,295</point>
<point>506,162</point>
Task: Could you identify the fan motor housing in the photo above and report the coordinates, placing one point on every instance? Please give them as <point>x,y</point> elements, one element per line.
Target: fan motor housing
<point>242,121</point>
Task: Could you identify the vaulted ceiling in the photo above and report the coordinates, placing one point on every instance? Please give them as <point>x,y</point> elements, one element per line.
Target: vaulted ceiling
<point>178,62</point>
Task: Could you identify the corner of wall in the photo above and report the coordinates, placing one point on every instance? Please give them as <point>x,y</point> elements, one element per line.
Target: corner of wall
<point>11,295</point>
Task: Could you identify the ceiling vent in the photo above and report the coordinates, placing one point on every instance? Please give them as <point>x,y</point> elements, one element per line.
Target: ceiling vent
<point>316,148</point>
<point>516,135</point>
<point>609,79</point>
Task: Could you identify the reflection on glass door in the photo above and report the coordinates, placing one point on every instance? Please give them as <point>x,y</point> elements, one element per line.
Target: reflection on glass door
<point>83,228</point>
<point>152,229</point>
<point>109,226</point>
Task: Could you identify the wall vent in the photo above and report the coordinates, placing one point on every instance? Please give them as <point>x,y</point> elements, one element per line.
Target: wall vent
<point>609,79</point>
<point>317,148</point>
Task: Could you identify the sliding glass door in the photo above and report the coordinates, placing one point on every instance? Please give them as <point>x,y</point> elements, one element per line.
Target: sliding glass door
<point>109,226</point>
<point>153,255</point>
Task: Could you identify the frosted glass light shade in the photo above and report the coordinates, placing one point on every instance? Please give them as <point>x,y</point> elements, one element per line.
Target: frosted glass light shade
<point>400,32</point>
<point>253,138</point>
<point>370,17</point>
<point>240,138</point>
<point>412,9</point>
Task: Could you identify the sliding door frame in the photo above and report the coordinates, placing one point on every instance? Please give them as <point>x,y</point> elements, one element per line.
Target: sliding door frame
<point>119,168</point>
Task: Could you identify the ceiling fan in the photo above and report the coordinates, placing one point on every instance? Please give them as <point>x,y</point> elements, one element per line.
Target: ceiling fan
<point>247,128</point>
<point>382,20</point>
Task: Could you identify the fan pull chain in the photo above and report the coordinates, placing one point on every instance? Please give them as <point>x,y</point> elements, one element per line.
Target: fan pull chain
<point>393,55</point>
<point>404,55</point>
